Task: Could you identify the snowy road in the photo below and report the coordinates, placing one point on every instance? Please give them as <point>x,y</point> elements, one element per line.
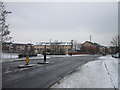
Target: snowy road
<point>40,76</point>
<point>102,73</point>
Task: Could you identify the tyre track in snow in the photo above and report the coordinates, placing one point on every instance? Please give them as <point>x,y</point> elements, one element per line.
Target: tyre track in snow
<point>112,81</point>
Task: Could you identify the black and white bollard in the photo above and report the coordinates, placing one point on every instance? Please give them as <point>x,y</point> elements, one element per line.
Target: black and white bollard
<point>27,60</point>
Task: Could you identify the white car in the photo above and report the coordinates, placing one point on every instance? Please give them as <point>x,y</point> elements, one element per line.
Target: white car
<point>116,55</point>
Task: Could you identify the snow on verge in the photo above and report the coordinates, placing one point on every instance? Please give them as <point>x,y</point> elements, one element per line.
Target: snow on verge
<point>102,73</point>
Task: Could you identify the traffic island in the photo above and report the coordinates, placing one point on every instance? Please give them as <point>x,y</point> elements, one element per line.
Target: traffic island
<point>25,66</point>
<point>43,62</point>
<point>26,63</point>
<point>44,53</point>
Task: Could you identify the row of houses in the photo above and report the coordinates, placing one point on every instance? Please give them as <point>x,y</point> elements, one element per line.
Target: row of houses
<point>17,47</point>
<point>57,47</point>
<point>53,47</point>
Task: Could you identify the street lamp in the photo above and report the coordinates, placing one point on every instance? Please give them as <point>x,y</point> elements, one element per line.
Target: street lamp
<point>71,47</point>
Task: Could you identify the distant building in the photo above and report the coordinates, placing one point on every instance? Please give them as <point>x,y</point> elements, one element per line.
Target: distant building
<point>53,47</point>
<point>7,47</point>
<point>17,47</point>
<point>93,48</point>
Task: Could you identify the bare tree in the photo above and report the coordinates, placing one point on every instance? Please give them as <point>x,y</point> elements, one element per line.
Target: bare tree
<point>76,45</point>
<point>116,43</point>
<point>4,32</point>
<point>116,40</point>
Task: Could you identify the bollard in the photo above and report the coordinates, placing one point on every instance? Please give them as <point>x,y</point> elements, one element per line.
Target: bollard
<point>27,60</point>
<point>44,58</point>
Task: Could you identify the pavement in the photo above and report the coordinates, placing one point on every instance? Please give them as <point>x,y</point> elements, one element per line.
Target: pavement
<point>101,73</point>
<point>119,73</point>
<point>41,75</point>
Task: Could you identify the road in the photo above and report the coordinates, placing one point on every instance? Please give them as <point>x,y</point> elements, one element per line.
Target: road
<point>41,76</point>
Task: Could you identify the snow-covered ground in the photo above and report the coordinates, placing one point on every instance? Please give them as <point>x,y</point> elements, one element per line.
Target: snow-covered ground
<point>9,55</point>
<point>101,73</point>
<point>14,56</point>
<point>68,55</point>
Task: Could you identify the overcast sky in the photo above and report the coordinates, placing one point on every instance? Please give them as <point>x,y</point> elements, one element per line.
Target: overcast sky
<point>39,21</point>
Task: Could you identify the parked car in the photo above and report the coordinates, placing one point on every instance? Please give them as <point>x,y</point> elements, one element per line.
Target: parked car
<point>26,54</point>
<point>116,55</point>
<point>104,54</point>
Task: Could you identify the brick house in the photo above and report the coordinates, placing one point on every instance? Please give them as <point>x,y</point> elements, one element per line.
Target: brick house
<point>93,48</point>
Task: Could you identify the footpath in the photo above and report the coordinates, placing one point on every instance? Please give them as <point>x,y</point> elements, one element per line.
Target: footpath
<point>101,73</point>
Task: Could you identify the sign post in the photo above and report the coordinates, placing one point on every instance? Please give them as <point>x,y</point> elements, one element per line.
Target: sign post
<point>44,54</point>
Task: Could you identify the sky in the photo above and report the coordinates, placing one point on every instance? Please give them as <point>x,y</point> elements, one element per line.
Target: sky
<point>63,21</point>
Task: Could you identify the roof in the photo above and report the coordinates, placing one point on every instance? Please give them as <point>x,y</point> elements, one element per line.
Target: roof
<point>53,43</point>
<point>94,44</point>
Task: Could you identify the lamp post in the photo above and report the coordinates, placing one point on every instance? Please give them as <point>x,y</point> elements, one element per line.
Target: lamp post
<point>71,47</point>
